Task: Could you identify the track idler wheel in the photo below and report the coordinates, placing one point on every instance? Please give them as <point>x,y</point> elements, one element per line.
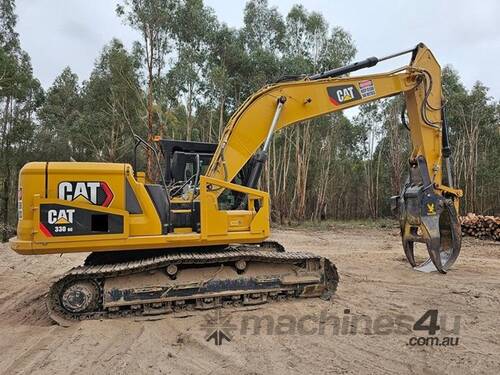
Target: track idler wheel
<point>79,296</point>
<point>73,298</point>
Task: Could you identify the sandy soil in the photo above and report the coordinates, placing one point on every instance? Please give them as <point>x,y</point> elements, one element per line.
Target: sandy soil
<point>376,283</point>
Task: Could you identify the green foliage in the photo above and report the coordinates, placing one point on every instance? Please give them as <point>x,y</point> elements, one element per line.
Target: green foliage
<point>189,72</point>
<point>474,123</point>
<point>9,40</point>
<point>112,105</point>
<point>264,27</point>
<point>95,121</point>
<point>60,118</point>
<point>20,97</point>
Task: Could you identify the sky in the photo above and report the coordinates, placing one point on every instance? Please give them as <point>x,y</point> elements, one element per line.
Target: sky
<point>462,33</point>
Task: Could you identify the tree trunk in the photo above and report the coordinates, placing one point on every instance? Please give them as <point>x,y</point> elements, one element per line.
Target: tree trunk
<point>210,125</point>
<point>4,205</point>
<point>221,115</point>
<point>189,107</point>
<point>150,129</point>
<point>5,200</point>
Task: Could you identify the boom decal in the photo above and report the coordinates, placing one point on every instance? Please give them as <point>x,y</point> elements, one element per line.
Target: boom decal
<point>343,94</point>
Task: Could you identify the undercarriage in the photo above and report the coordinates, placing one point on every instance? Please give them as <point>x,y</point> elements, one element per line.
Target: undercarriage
<point>189,280</point>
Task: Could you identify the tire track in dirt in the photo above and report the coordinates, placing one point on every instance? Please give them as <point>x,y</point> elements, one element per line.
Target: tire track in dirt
<point>375,280</point>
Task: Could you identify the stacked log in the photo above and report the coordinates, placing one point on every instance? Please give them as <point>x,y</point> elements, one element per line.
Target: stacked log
<point>479,226</point>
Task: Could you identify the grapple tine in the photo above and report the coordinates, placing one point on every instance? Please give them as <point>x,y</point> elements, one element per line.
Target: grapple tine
<point>433,240</point>
<point>435,256</point>
<point>409,252</point>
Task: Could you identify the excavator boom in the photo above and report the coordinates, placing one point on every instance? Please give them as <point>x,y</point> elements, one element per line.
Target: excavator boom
<point>300,100</point>
<point>427,207</point>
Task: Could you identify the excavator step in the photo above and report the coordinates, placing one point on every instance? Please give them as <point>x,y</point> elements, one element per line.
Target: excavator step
<point>235,276</point>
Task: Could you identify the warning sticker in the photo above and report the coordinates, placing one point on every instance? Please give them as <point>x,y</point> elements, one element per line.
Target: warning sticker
<point>367,88</point>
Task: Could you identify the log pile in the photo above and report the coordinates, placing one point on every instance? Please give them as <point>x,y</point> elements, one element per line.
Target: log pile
<point>479,226</point>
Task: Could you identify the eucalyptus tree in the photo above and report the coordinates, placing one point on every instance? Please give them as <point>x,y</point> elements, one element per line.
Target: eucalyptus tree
<point>309,46</point>
<point>60,119</point>
<point>475,138</point>
<point>154,20</point>
<point>191,32</point>
<point>20,96</point>
<point>227,73</point>
<point>263,37</point>
<point>112,104</point>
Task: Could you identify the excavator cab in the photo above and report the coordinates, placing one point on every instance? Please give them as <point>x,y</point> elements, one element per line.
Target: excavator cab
<point>185,160</point>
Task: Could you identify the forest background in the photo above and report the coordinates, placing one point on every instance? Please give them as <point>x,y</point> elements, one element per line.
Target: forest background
<point>189,72</point>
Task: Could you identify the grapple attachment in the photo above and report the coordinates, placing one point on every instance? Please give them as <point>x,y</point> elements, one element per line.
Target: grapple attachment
<point>429,218</point>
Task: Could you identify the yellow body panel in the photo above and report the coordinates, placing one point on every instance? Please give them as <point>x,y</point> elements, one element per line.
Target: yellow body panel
<point>140,231</point>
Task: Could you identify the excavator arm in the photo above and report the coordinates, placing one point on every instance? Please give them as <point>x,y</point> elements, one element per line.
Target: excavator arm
<point>427,207</point>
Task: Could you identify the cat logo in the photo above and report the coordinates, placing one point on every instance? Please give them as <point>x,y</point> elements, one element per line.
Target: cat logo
<point>342,94</point>
<point>60,217</point>
<point>345,94</point>
<point>431,209</point>
<point>90,192</point>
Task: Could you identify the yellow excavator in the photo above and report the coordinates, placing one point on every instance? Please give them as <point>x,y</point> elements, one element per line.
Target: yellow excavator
<point>196,239</point>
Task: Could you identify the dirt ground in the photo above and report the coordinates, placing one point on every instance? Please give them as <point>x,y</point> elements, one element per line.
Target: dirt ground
<point>297,337</point>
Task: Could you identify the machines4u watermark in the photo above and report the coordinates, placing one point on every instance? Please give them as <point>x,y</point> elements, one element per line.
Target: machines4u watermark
<point>431,324</point>
<point>429,329</point>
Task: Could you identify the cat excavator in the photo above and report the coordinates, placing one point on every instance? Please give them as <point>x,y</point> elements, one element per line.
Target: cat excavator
<point>197,238</point>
